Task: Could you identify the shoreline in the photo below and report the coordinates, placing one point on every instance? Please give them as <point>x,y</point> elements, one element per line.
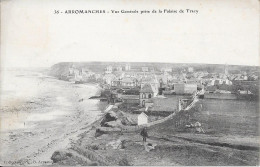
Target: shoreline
<point>61,110</point>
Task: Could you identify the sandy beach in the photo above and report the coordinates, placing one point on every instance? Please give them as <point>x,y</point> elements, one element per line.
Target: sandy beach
<point>40,114</point>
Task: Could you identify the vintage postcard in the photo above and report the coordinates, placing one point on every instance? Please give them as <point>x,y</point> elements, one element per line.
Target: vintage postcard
<point>129,83</point>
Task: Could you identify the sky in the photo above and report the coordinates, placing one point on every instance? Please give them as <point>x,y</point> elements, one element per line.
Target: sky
<point>222,32</point>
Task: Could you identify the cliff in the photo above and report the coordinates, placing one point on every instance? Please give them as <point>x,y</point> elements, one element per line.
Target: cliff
<point>60,69</point>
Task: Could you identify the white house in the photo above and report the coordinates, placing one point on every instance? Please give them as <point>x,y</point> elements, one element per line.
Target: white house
<point>108,78</point>
<point>128,82</point>
<point>167,69</point>
<point>71,71</point>
<point>145,69</point>
<point>109,69</point>
<point>142,119</point>
<point>190,69</point>
<point>228,82</point>
<point>127,67</point>
<point>119,68</point>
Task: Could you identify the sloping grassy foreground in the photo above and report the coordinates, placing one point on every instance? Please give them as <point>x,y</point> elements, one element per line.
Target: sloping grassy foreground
<point>221,144</point>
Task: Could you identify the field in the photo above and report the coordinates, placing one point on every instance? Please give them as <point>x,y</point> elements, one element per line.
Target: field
<point>231,129</point>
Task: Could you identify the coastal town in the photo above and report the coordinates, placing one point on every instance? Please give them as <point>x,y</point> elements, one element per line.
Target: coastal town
<point>129,83</point>
<point>130,113</point>
<point>148,95</point>
<point>140,86</point>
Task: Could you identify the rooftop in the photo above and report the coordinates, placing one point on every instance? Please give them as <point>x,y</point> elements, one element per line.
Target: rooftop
<point>125,97</point>
<point>147,88</point>
<point>128,79</point>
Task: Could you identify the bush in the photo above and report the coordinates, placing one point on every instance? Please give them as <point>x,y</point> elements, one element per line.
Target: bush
<point>95,147</point>
<point>124,162</point>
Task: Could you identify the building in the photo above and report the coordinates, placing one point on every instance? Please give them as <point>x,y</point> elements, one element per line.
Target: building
<point>218,95</point>
<point>164,78</point>
<point>161,106</point>
<point>226,70</point>
<point>116,82</point>
<point>152,69</point>
<point>142,119</point>
<point>149,103</point>
<point>211,88</point>
<point>190,69</point>
<point>86,73</point>
<point>119,74</point>
<point>181,88</point>
<point>130,99</point>
<point>146,93</point>
<point>166,69</point>
<point>218,81</point>
<point>129,82</point>
<point>245,77</point>
<point>150,80</point>
<point>251,86</point>
<point>215,81</point>
<point>77,75</point>
<point>127,67</point>
<point>108,78</point>
<point>109,69</point>
<point>71,71</point>
<point>113,98</point>
<point>119,68</point>
<point>145,69</point>
<point>228,82</point>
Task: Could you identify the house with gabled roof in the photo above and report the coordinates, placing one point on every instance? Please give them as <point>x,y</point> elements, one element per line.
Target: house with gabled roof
<point>129,82</point>
<point>149,80</point>
<point>109,69</point>
<point>147,92</point>
<point>145,69</point>
<point>142,119</point>
<point>119,68</point>
<point>127,67</point>
<point>108,78</point>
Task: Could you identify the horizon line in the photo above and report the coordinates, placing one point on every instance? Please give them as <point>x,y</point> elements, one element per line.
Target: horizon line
<point>151,62</point>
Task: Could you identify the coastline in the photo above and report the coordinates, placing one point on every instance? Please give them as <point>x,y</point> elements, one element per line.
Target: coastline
<point>62,125</point>
<point>51,120</point>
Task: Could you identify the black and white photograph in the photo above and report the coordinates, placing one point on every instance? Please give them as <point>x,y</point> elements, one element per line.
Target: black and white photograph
<point>129,83</point>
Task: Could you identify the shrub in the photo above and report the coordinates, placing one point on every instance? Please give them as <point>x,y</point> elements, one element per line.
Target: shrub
<point>124,162</point>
